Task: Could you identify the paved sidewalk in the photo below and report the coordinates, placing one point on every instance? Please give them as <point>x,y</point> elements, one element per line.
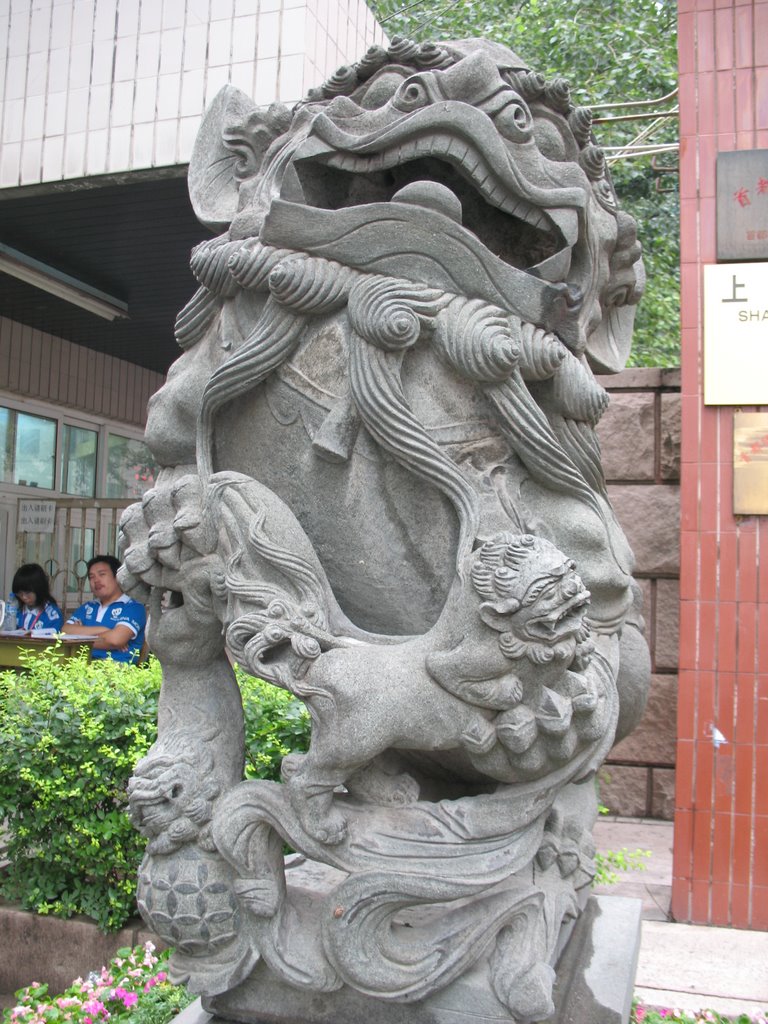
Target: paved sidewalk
<point>690,967</point>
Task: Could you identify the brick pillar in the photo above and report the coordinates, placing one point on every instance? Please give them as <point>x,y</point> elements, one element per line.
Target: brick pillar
<point>721,802</point>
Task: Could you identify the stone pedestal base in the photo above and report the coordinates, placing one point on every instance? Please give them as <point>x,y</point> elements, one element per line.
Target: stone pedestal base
<point>596,971</point>
<point>595,980</point>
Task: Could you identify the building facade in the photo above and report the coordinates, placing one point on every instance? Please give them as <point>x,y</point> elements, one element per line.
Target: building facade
<point>101,103</point>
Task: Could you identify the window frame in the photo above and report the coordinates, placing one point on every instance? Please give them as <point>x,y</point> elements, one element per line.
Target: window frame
<point>71,418</point>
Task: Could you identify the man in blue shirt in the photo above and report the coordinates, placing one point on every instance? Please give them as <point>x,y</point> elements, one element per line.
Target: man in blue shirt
<point>116,620</point>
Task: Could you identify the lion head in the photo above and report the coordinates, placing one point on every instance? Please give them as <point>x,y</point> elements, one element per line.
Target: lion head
<point>532,595</point>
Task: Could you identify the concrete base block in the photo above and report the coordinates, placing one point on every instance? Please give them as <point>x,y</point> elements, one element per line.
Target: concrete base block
<point>53,951</point>
<point>595,980</point>
<point>596,972</point>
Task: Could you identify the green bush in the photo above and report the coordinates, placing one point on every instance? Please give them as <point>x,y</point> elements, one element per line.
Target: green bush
<point>71,732</point>
<point>275,724</point>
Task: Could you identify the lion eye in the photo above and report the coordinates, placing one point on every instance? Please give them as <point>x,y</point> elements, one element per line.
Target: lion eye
<point>411,94</point>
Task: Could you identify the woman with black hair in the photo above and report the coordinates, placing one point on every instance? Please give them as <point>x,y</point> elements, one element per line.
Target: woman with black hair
<point>38,609</point>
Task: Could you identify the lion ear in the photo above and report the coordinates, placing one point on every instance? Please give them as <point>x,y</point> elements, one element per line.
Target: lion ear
<point>229,148</point>
<point>496,613</point>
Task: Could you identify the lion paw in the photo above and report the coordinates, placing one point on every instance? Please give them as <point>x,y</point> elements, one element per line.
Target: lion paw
<point>479,738</point>
<point>333,832</point>
<point>404,790</point>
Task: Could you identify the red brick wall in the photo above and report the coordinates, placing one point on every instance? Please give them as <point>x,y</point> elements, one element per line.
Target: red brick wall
<point>721,815</point>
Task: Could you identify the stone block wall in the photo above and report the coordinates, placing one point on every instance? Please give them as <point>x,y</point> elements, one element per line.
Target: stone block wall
<point>640,440</point>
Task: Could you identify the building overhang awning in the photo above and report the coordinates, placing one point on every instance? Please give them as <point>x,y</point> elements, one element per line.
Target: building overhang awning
<point>124,237</point>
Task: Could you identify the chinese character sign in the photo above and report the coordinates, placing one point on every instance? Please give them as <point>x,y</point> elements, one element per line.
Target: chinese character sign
<point>36,516</point>
<point>742,205</point>
<point>750,463</point>
<point>736,334</point>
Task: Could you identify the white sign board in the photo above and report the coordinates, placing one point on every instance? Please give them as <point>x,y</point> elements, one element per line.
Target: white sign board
<point>736,334</point>
<point>36,516</point>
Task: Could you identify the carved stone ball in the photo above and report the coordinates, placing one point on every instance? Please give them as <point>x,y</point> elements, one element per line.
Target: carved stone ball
<point>188,900</point>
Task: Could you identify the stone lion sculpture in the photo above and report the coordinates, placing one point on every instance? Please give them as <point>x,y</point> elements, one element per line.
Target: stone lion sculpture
<point>382,491</point>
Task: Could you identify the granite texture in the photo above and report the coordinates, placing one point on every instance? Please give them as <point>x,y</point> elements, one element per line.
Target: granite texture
<point>653,741</point>
<point>382,491</point>
<point>627,436</point>
<point>595,981</point>
<point>650,515</point>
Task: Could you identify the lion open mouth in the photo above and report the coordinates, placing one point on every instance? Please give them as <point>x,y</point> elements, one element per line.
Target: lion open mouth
<point>514,231</point>
<point>562,622</point>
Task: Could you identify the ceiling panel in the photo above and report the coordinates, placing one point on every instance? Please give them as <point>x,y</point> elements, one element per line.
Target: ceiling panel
<point>130,240</point>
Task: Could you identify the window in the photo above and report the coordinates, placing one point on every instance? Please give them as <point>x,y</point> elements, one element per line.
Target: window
<point>78,474</point>
<point>72,455</point>
<point>131,469</point>
<point>27,449</point>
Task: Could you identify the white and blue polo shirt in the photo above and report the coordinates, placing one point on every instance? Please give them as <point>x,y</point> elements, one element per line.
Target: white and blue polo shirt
<point>122,612</point>
<point>49,618</point>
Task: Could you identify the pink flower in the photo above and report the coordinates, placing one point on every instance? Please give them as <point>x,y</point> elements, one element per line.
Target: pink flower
<point>640,1013</point>
<point>161,976</point>
<point>130,999</point>
<point>87,1020</point>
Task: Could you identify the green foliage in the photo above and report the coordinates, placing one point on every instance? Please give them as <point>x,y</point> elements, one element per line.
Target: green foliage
<point>619,52</point>
<point>133,986</point>
<point>71,732</point>
<point>275,724</point>
<point>608,862</point>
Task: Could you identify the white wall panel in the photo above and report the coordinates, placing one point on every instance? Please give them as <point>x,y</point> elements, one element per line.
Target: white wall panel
<point>38,365</point>
<point>136,74</point>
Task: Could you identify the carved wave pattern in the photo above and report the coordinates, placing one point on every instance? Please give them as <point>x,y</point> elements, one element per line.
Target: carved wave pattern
<point>378,394</point>
<point>541,353</point>
<point>310,285</point>
<point>532,438</point>
<point>386,311</point>
<point>209,264</point>
<point>480,341</point>
<point>408,971</point>
<point>271,342</point>
<point>252,263</point>
<point>196,317</point>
